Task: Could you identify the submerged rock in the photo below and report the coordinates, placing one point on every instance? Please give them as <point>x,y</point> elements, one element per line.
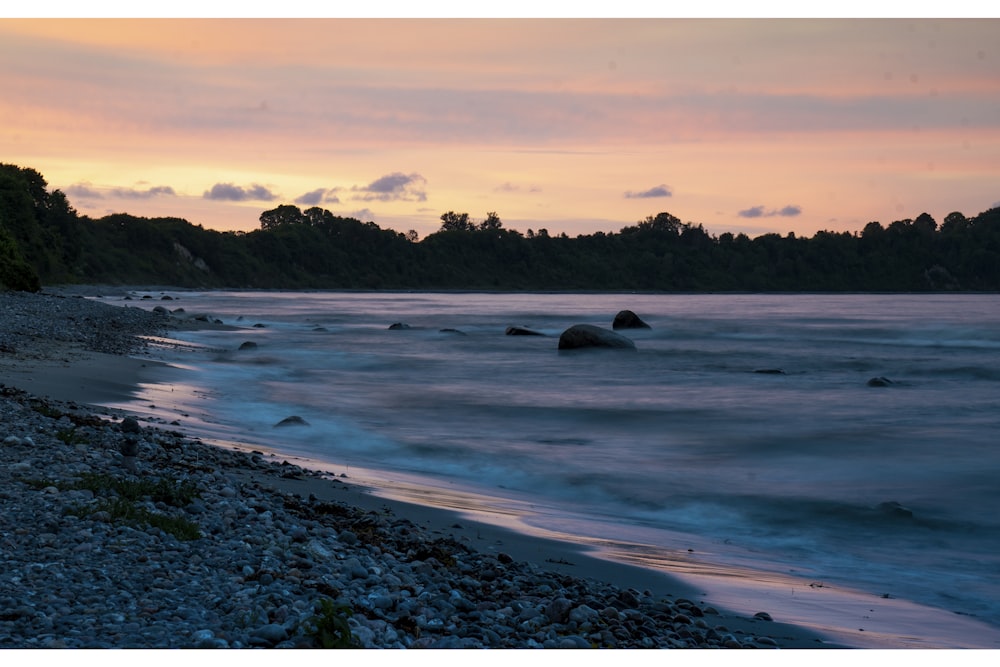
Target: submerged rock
<point>248,345</point>
<point>294,420</point>
<point>587,335</point>
<point>522,331</point>
<point>894,509</point>
<point>626,319</point>
<point>398,325</point>
<point>880,382</point>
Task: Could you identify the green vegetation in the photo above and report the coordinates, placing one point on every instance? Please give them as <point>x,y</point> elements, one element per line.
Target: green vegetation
<point>329,628</point>
<point>119,498</point>
<point>44,241</point>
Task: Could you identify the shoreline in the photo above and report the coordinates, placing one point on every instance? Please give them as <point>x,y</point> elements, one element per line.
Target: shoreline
<point>83,377</point>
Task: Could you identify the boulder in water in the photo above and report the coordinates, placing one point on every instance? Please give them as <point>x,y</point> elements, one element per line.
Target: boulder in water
<point>248,345</point>
<point>522,331</point>
<point>294,420</point>
<point>880,382</point>
<point>587,335</point>
<point>398,325</point>
<point>626,319</point>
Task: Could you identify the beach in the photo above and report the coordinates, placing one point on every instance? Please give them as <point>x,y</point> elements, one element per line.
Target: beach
<point>237,547</point>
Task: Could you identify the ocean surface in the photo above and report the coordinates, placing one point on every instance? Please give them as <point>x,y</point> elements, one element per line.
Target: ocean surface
<point>742,428</point>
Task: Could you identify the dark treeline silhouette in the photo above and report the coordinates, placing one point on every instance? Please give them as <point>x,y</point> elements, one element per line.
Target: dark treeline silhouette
<point>43,240</point>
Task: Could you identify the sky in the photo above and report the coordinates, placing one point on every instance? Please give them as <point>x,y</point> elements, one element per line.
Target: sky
<point>571,125</point>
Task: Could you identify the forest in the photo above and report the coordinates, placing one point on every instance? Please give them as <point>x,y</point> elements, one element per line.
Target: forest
<point>44,241</point>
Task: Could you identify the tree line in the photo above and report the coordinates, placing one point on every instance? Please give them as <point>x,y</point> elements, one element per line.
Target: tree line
<point>43,240</point>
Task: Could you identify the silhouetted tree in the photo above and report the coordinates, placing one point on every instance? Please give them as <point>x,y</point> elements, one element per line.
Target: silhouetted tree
<point>456,222</point>
<point>282,215</point>
<point>491,223</point>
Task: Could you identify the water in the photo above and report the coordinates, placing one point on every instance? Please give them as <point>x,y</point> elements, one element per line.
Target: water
<point>681,444</point>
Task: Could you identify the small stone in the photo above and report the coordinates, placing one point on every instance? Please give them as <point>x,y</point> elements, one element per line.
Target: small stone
<point>763,616</point>
<point>558,610</point>
<point>272,633</point>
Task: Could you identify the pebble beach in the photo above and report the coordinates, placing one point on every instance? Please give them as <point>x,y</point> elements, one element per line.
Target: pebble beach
<point>119,533</point>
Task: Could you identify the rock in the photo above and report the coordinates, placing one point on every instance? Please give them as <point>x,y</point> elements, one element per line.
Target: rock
<point>248,345</point>
<point>294,420</point>
<point>129,448</point>
<point>558,610</point>
<point>626,319</point>
<point>880,382</point>
<point>130,425</point>
<point>770,371</point>
<point>272,633</point>
<point>894,509</point>
<point>763,616</point>
<point>581,336</point>
<point>398,325</point>
<point>454,331</point>
<point>522,331</point>
<point>583,614</point>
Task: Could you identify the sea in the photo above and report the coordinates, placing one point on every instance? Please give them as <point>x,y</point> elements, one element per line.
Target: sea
<point>845,440</point>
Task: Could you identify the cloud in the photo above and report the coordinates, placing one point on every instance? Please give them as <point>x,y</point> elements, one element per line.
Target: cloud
<point>82,190</point>
<point>364,215</point>
<point>132,193</point>
<point>510,187</point>
<point>658,191</point>
<point>230,192</point>
<point>759,212</point>
<point>319,196</point>
<point>396,186</point>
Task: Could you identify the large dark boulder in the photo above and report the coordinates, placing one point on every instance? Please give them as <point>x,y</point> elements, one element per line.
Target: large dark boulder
<point>587,335</point>
<point>626,319</point>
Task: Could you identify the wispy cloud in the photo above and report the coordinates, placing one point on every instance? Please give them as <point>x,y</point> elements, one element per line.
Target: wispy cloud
<point>511,187</point>
<point>364,215</point>
<point>658,191</point>
<point>396,186</point>
<point>761,212</point>
<point>230,192</point>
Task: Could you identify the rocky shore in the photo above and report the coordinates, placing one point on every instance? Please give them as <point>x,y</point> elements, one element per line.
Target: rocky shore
<point>116,534</point>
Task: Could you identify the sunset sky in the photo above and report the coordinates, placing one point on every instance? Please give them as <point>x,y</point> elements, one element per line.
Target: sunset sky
<point>573,125</point>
